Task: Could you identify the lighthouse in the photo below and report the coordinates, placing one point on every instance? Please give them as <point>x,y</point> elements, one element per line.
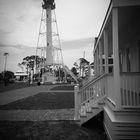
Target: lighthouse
<point>51,68</point>
<point>48,45</point>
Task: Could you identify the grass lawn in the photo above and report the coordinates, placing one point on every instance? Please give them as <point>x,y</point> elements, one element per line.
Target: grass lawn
<point>47,130</point>
<point>44,100</point>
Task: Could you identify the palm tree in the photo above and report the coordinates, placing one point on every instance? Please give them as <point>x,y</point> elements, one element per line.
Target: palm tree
<point>26,63</point>
<point>32,62</point>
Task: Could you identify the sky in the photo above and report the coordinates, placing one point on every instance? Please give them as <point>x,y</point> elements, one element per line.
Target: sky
<point>79,22</point>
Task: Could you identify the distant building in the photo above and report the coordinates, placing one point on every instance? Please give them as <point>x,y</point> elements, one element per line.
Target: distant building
<point>21,75</point>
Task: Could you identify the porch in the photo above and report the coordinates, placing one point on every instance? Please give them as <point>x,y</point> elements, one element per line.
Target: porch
<point>99,91</point>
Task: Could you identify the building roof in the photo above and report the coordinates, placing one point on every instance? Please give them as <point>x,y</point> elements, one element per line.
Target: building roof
<point>20,73</point>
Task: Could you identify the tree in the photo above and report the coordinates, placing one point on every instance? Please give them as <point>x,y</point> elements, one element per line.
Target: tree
<point>1,77</point>
<point>7,76</point>
<point>81,65</point>
<point>32,62</point>
<point>74,70</point>
<point>26,63</point>
<point>60,74</point>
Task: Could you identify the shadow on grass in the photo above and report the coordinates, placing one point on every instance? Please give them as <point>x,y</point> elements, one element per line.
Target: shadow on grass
<point>45,130</point>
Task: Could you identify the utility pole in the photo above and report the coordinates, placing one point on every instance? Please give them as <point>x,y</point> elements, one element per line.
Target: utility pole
<point>84,54</point>
<point>5,80</point>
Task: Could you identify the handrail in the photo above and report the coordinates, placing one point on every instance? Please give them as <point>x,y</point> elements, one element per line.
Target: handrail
<point>93,92</point>
<point>97,100</point>
<point>93,81</point>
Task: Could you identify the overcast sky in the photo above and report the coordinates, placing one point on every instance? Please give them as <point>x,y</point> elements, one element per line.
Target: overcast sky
<point>79,21</point>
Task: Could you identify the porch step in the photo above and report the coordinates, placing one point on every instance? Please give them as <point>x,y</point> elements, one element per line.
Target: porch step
<point>127,131</point>
<point>122,125</point>
<point>123,130</point>
<point>95,107</point>
<point>91,110</point>
<point>101,103</point>
<point>90,115</point>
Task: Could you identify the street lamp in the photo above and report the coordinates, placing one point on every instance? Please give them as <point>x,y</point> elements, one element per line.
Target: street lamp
<point>5,54</point>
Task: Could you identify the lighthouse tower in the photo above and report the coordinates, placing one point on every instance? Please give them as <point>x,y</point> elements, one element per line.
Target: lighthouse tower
<point>49,5</point>
<point>49,46</point>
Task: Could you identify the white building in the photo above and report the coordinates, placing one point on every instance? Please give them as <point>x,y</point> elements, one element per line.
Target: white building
<point>115,90</point>
<point>21,75</point>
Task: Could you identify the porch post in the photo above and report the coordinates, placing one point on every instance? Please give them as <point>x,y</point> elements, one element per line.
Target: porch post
<point>98,67</point>
<point>95,62</point>
<point>106,50</point>
<point>77,101</point>
<point>100,56</point>
<point>116,69</point>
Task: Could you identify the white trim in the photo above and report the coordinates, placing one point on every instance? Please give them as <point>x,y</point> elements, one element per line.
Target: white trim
<point>107,132</point>
<point>103,26</point>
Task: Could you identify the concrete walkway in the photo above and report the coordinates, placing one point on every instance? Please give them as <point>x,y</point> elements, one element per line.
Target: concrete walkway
<point>37,115</point>
<point>13,95</point>
<point>32,115</point>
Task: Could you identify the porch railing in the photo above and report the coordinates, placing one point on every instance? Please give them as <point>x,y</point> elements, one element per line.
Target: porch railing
<point>90,94</point>
<point>130,89</point>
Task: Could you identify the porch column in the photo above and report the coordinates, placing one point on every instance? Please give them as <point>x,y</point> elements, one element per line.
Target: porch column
<point>95,65</point>
<point>106,50</point>
<point>116,69</point>
<point>100,56</point>
<point>96,58</point>
<point>98,68</point>
<point>77,102</point>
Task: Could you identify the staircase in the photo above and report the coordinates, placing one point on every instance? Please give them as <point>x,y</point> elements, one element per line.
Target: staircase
<point>90,109</point>
<point>89,99</point>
